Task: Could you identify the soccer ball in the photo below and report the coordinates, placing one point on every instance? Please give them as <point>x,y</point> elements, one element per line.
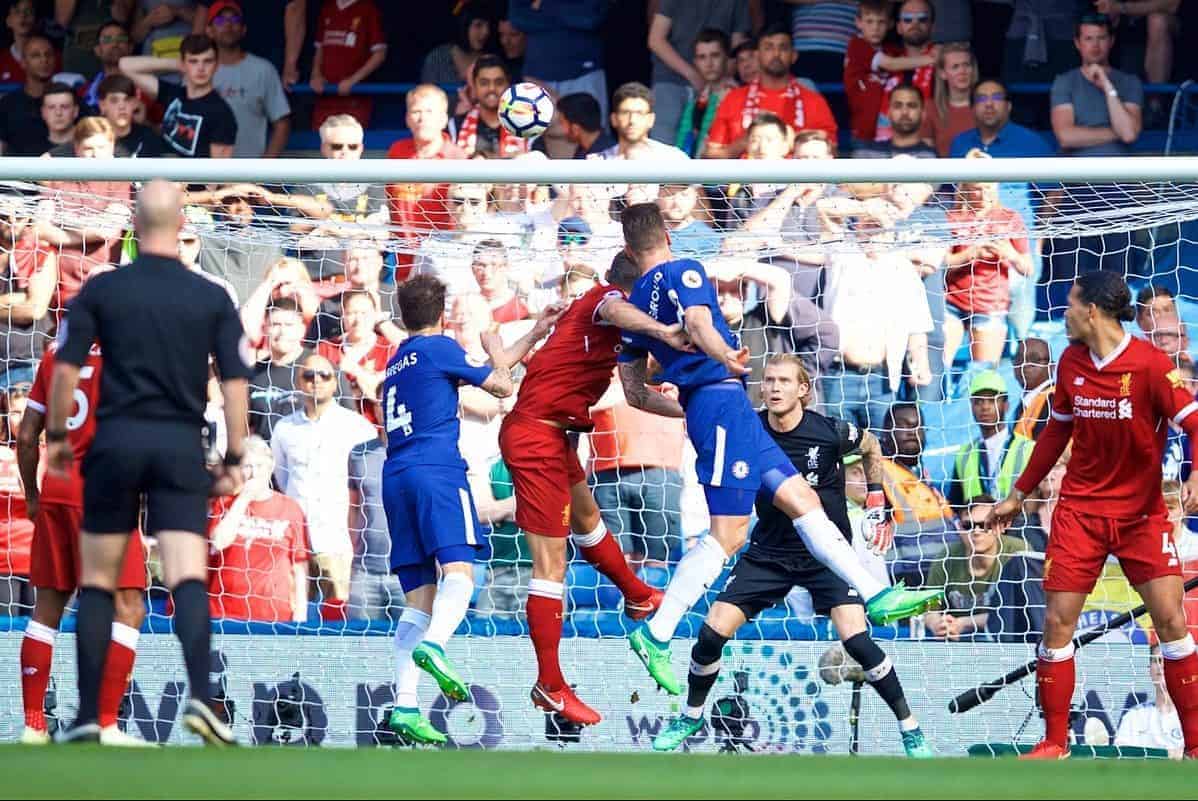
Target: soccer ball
<point>526,110</point>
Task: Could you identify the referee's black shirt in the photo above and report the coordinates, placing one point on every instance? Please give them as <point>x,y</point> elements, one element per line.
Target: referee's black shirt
<point>156,323</point>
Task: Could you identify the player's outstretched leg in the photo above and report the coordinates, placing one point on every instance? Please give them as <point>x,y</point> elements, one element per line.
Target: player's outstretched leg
<point>405,719</point>
<point>448,612</point>
<point>604,553</point>
<point>705,669</point>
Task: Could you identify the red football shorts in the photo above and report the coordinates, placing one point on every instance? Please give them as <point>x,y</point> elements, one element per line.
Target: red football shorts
<point>544,466</point>
<point>55,551</point>
<point>1080,543</point>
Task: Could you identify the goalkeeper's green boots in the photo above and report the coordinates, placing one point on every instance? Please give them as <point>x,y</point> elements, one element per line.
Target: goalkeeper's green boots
<point>412,727</point>
<point>656,657</point>
<point>898,603</point>
<point>676,733</point>
<point>431,658</point>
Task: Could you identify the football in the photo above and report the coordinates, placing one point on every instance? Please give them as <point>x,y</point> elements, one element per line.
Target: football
<point>526,110</point>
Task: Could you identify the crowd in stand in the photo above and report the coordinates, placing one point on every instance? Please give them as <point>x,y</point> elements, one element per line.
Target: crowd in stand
<point>899,298</point>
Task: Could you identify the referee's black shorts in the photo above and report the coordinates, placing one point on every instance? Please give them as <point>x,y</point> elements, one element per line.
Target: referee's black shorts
<point>162,459</point>
<point>756,584</point>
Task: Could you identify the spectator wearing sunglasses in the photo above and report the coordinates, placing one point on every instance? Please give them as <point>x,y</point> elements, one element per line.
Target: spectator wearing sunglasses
<point>112,43</point>
<point>311,447</point>
<point>249,84</point>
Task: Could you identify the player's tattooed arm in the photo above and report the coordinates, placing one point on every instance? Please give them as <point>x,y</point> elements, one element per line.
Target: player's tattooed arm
<point>629,318</point>
<point>871,458</point>
<point>634,377</point>
<point>499,383</point>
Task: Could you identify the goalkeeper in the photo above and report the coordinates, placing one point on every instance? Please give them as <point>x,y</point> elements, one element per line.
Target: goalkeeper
<point>777,560</point>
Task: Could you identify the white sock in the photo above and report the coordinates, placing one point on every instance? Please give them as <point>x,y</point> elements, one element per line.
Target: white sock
<point>693,712</point>
<point>1178,649</point>
<point>698,569</point>
<point>408,634</point>
<point>40,632</point>
<point>449,607</point>
<point>125,635</point>
<point>591,538</point>
<point>825,542</point>
<point>908,724</point>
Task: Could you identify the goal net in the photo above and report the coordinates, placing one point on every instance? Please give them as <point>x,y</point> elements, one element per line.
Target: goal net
<point>924,306</point>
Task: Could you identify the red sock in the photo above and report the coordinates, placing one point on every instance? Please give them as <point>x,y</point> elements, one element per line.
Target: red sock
<point>1055,682</point>
<point>608,559</point>
<point>118,668</point>
<point>37,651</point>
<point>544,610</point>
<point>1181,677</point>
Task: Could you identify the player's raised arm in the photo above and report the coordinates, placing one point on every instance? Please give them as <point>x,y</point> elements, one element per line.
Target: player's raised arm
<point>634,377</point>
<point>499,383</point>
<point>700,327</point>
<point>511,356</point>
<point>627,317</point>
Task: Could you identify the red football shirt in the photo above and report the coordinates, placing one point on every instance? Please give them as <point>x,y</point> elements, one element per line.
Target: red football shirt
<point>16,529</point>
<point>864,87</point>
<point>572,370</point>
<point>11,70</point>
<point>1120,409</point>
<point>981,286</point>
<point>346,35</point>
<point>81,425</point>
<point>732,118</point>
<point>420,207</point>
<point>254,577</point>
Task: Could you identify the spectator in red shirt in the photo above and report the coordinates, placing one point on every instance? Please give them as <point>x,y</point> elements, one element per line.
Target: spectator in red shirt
<point>951,109</point>
<point>258,552</point>
<point>28,278</point>
<point>489,264</point>
<point>360,353</point>
<point>774,90</point>
<point>992,240</point>
<point>21,20</point>
<point>16,529</point>
<point>350,46</point>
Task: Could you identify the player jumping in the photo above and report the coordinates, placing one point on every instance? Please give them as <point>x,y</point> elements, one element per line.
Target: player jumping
<point>430,512</point>
<point>736,455</point>
<point>777,560</point>
<point>57,513</point>
<point>1115,397</point>
<point>565,379</point>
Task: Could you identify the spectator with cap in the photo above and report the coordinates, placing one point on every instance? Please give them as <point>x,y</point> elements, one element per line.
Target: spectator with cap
<point>16,527</point>
<point>1096,110</point>
<point>117,99</point>
<point>28,279</point>
<point>350,47</point>
<point>582,126</point>
<point>905,113</point>
<point>564,50</point>
<point>283,52</point>
<point>478,131</point>
<point>1034,374</point>
<point>112,43</point>
<point>374,591</point>
<point>22,130</point>
<point>775,90</point>
<point>590,204</point>
<point>258,548</point>
<point>312,447</point>
<point>672,33</point>
<point>249,84</point>
<point>711,54</point>
<point>951,111</point>
<point>990,464</point>
<point>632,118</point>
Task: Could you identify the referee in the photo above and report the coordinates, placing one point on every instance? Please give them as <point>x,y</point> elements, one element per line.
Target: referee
<point>156,323</point>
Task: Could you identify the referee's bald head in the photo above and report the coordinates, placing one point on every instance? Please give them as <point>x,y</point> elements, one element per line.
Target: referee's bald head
<point>159,205</point>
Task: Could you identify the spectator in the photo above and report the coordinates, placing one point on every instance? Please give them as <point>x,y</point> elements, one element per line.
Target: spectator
<point>489,264</point>
<point>16,529</point>
<point>28,278</point>
<point>872,69</point>
<point>478,131</point>
<point>510,566</point>
<point>189,254</point>
<point>635,474</point>
<point>916,507</point>
<point>970,574</point>
<point>112,44</point>
<point>160,26</point>
<point>1034,373</point>
<point>60,109</point>
<point>451,62</point>
<point>197,122</point>
<point>258,548</point>
<point>350,46</point>
<point>916,21</point>
<point>951,112</point>
<point>1096,110</point>
<point>22,130</point>
<point>84,220</point>
<point>990,464</point>
<point>672,35</point>
<point>374,591</point>
<point>21,22</point>
<point>363,271</point>
<point>360,353</point>
<point>754,300</point>
<point>249,84</point>
<point>275,384</point>
<point>747,62</point>
<point>822,31</point>
<point>311,447</point>
<point>285,279</point>
<point>565,49</point>
<point>856,493</point>
<point>632,118</point>
<point>690,237</point>
<point>906,115</point>
<point>234,248</point>
<point>117,97</point>
<point>513,44</point>
<point>448,254</point>
<point>775,91</point>
<point>712,49</point>
<point>579,115</point>
<point>990,241</point>
<point>1158,318</point>
<point>264,40</point>
<point>1153,724</point>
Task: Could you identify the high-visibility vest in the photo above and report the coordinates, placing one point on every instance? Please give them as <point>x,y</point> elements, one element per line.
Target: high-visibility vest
<point>1016,454</point>
<point>911,500</point>
<point>1033,412</point>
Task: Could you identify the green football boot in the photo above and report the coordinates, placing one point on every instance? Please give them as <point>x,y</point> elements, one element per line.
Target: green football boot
<point>676,733</point>
<point>431,658</point>
<point>899,603</point>
<point>656,657</point>
<point>413,728</point>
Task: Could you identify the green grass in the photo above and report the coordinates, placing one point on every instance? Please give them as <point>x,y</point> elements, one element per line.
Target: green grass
<point>178,773</point>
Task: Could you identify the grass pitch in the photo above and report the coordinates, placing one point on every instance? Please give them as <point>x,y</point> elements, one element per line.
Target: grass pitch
<point>180,773</point>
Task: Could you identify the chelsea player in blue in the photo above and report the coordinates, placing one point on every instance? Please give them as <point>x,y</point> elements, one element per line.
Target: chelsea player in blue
<point>737,457</point>
<point>430,513</point>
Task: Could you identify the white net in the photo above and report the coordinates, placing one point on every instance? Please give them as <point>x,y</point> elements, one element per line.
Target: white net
<point>896,296</point>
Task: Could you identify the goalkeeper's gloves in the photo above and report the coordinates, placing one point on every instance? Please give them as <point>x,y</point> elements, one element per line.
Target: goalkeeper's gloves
<point>878,527</point>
